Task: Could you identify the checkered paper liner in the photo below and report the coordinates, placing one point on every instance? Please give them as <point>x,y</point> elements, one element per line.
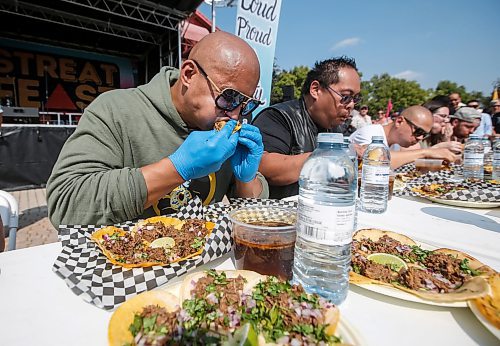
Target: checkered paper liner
<point>88,273</point>
<point>483,191</point>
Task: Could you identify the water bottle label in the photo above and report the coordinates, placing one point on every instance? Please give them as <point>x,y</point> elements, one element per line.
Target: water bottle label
<point>472,159</point>
<point>376,174</point>
<point>325,224</point>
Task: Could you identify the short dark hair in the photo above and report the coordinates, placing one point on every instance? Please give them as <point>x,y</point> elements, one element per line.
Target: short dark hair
<point>474,100</point>
<point>436,102</point>
<point>326,72</point>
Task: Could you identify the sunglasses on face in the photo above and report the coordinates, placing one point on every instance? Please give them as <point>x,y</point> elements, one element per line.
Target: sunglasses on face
<point>346,99</point>
<point>474,106</point>
<point>417,131</point>
<point>229,99</point>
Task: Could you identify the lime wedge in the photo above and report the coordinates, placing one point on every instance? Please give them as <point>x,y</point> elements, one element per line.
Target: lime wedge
<point>165,242</point>
<point>392,261</point>
<point>243,336</point>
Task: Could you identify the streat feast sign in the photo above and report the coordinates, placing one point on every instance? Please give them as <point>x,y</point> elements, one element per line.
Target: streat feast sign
<point>257,23</point>
<point>58,79</point>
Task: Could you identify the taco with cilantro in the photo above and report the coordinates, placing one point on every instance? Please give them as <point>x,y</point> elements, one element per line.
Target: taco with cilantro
<point>155,241</point>
<point>229,308</point>
<point>391,259</point>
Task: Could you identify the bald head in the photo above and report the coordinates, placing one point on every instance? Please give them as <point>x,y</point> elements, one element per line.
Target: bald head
<point>224,53</point>
<point>420,116</point>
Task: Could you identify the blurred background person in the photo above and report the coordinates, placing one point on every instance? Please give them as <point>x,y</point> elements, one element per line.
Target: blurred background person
<point>464,122</point>
<point>362,118</point>
<point>485,128</point>
<point>441,119</point>
<point>409,127</point>
<point>495,116</point>
<point>455,102</point>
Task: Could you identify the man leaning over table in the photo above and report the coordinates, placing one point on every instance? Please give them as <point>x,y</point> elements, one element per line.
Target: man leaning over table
<point>464,122</point>
<point>148,150</point>
<point>289,129</point>
<point>412,125</point>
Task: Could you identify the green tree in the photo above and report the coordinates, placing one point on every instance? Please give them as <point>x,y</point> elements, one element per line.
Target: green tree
<point>295,77</point>
<point>447,87</point>
<point>403,93</point>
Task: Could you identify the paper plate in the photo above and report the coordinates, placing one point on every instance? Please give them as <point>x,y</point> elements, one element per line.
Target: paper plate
<point>483,320</point>
<point>465,204</point>
<point>395,293</point>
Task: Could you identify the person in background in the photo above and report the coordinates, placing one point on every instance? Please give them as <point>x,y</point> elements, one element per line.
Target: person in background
<point>495,116</point>
<point>464,122</point>
<point>289,129</point>
<point>455,102</point>
<point>149,150</point>
<point>362,118</point>
<point>485,128</point>
<point>346,127</point>
<point>412,125</point>
<point>474,104</point>
<point>441,119</point>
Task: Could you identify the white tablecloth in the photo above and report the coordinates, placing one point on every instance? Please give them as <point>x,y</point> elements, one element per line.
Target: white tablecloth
<point>36,306</point>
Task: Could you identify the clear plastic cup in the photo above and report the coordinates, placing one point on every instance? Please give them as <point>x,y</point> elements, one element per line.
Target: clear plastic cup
<point>264,239</point>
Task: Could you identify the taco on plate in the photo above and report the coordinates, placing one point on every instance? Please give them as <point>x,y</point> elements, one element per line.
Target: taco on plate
<point>231,308</point>
<point>158,240</point>
<point>489,305</point>
<point>392,259</point>
<point>436,190</point>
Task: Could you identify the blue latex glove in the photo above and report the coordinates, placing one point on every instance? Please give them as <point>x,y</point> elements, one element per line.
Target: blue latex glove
<point>246,158</point>
<point>204,152</point>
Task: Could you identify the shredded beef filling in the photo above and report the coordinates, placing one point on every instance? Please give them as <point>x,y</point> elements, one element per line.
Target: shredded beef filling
<point>446,265</point>
<point>225,295</point>
<point>133,249</point>
<point>416,279</point>
<point>373,270</point>
<point>385,244</point>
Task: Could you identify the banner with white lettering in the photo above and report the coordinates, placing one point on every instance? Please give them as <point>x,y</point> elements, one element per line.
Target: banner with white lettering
<point>257,23</point>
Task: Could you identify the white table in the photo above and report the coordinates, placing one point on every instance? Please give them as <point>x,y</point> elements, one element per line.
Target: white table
<point>38,308</point>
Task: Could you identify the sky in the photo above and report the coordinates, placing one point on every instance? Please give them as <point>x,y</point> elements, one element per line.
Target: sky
<point>422,40</point>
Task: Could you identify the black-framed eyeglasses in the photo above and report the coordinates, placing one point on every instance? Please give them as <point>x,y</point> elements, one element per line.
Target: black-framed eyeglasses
<point>417,131</point>
<point>229,99</point>
<point>346,99</point>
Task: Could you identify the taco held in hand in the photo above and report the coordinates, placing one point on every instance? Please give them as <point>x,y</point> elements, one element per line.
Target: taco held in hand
<point>158,240</point>
<point>227,308</point>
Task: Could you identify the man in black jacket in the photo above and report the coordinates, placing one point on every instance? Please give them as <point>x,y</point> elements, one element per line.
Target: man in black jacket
<point>289,129</point>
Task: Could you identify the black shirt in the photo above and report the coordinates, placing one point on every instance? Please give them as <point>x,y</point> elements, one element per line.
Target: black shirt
<point>277,138</point>
<point>495,121</point>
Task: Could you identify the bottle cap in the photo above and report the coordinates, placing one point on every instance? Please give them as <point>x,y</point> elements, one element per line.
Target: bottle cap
<point>377,138</point>
<point>327,137</point>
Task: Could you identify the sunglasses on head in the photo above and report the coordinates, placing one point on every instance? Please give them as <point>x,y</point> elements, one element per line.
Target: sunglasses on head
<point>229,99</point>
<point>346,99</point>
<point>417,131</point>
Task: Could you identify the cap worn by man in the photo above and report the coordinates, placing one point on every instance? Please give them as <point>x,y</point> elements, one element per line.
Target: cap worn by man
<point>467,114</point>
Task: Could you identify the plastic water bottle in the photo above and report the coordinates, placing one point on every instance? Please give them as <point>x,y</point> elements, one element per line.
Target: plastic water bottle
<point>474,158</point>
<point>350,150</point>
<point>496,159</point>
<point>488,153</point>
<point>375,177</point>
<point>326,220</point>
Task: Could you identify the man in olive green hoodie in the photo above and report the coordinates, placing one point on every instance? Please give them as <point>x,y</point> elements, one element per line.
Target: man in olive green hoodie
<point>148,150</point>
